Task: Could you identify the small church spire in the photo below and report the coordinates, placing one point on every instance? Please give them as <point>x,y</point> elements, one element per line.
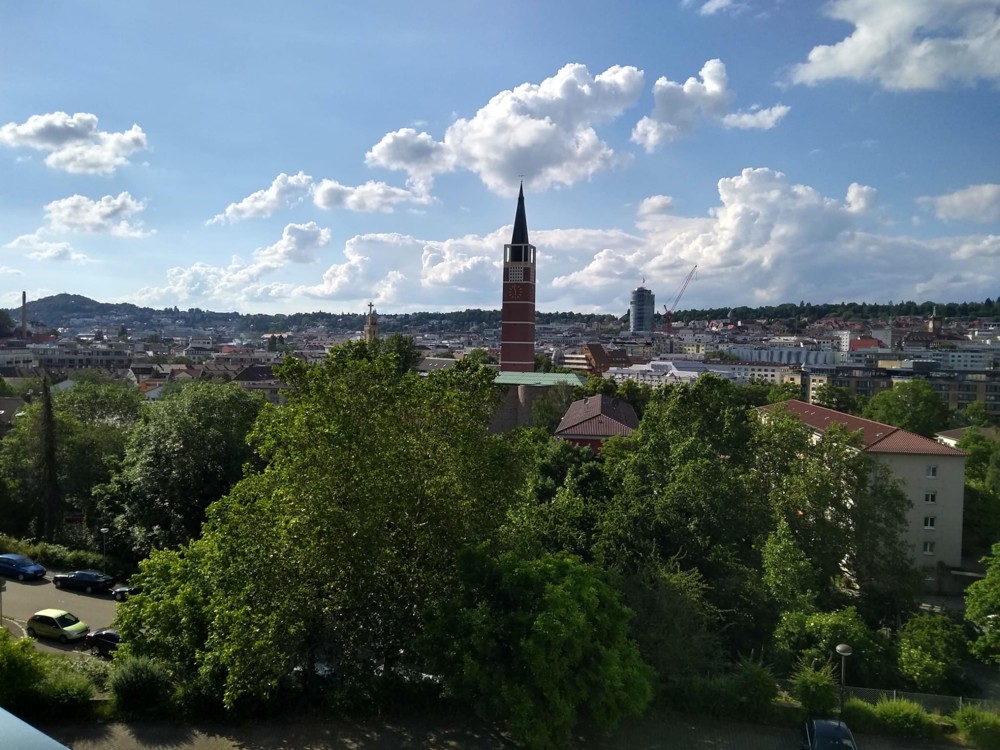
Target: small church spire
<point>520,234</point>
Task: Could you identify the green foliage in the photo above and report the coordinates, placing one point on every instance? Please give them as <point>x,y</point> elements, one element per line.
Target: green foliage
<point>22,669</point>
<point>140,686</point>
<point>64,690</point>
<point>676,629</point>
<point>789,576</point>
<point>187,452</point>
<point>897,718</point>
<point>812,639</point>
<point>979,727</point>
<point>548,409</point>
<point>913,405</point>
<point>814,686</point>
<point>52,555</point>
<point>982,603</point>
<point>931,651</point>
<point>755,688</point>
<point>837,398</point>
<point>375,481</point>
<point>747,692</point>
<point>538,643</point>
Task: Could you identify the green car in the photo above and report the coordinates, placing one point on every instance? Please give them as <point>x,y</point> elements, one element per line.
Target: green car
<point>56,623</point>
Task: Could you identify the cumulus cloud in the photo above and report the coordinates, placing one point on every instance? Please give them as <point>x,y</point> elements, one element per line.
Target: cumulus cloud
<point>678,108</point>
<point>370,198</point>
<point>542,131</point>
<point>860,198</point>
<point>41,249</point>
<point>239,282</point>
<point>74,143</point>
<point>114,215</point>
<point>284,190</point>
<point>909,44</point>
<point>8,271</point>
<point>974,203</point>
<point>756,118</point>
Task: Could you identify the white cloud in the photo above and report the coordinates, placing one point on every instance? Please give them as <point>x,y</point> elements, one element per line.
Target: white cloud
<point>41,249</point>
<point>542,131</point>
<point>8,271</point>
<point>974,203</point>
<point>678,108</point>
<point>239,282</point>
<point>73,142</point>
<point>284,190</point>
<point>909,44</point>
<point>860,198</point>
<point>112,215</point>
<point>656,204</point>
<point>756,118</point>
<point>370,197</point>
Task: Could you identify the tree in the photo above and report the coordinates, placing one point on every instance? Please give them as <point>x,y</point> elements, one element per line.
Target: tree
<point>982,605</point>
<point>913,405</point>
<point>537,644</point>
<point>931,652</point>
<point>837,398</point>
<point>187,452</point>
<point>548,409</point>
<point>375,481</point>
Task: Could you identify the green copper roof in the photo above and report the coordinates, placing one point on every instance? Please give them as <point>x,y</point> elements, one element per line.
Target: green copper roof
<point>539,378</point>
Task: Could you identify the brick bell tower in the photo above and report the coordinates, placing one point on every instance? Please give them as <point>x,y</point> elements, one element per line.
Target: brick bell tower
<point>517,332</point>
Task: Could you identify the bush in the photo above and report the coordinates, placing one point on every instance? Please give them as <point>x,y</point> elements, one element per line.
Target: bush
<point>815,687</point>
<point>755,689</point>
<point>64,691</point>
<point>139,685</point>
<point>898,718</point>
<point>978,726</point>
<point>22,669</point>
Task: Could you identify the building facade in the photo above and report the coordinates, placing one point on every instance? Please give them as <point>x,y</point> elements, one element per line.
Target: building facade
<point>641,310</point>
<point>517,332</point>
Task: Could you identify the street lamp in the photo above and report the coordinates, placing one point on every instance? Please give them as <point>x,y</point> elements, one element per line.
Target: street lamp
<point>104,565</point>
<point>844,650</point>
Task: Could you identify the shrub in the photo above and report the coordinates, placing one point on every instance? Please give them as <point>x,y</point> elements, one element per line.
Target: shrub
<point>815,687</point>
<point>64,691</point>
<point>140,686</point>
<point>22,668</point>
<point>898,718</point>
<point>978,726</point>
<point>755,689</point>
<point>903,718</point>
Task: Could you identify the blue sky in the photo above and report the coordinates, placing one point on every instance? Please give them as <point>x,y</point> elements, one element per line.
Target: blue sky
<point>298,156</point>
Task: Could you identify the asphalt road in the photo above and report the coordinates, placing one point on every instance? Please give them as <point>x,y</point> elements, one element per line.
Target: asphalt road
<point>23,599</point>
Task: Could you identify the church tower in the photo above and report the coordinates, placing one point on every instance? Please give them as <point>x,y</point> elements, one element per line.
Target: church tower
<point>517,331</point>
<point>371,325</point>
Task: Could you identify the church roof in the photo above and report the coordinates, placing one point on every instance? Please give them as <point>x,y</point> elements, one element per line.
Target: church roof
<point>520,234</point>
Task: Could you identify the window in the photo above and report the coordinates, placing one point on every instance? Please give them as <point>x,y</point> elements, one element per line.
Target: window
<point>932,472</point>
<point>928,548</point>
<point>930,497</point>
<point>929,522</point>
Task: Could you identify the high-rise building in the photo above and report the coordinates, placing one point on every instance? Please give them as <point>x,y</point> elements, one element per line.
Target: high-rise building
<point>641,311</point>
<point>517,331</point>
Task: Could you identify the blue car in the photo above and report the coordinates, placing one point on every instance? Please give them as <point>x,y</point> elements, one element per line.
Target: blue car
<point>20,567</point>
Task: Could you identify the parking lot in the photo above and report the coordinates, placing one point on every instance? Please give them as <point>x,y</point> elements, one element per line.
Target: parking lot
<point>23,599</point>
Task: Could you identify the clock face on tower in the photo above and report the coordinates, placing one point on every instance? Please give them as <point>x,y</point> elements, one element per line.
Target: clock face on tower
<point>514,292</point>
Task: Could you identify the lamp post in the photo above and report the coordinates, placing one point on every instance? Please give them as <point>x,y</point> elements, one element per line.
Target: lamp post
<point>104,554</point>
<point>844,650</point>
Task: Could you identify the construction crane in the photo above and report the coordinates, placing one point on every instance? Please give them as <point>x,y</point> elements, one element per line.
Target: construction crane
<point>668,312</point>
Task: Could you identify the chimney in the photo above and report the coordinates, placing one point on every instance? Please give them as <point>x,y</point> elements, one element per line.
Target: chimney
<point>24,316</point>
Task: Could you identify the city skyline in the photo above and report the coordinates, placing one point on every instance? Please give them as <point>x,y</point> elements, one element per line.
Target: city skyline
<point>273,159</point>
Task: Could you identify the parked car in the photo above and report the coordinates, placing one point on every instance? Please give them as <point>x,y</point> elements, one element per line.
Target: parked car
<point>91,581</point>
<point>827,734</point>
<point>103,642</point>
<point>20,567</point>
<point>56,623</point>
<point>121,593</point>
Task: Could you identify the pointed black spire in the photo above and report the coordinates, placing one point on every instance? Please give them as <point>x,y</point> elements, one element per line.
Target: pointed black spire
<point>520,235</point>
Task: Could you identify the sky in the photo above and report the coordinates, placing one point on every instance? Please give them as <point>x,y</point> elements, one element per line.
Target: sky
<point>301,156</point>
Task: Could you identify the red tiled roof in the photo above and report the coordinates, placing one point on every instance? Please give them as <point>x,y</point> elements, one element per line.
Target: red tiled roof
<point>598,417</point>
<point>876,437</point>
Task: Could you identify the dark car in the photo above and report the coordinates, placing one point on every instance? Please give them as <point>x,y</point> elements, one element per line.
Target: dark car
<point>121,593</point>
<point>103,642</point>
<point>91,581</point>
<point>827,734</point>
<point>20,567</point>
